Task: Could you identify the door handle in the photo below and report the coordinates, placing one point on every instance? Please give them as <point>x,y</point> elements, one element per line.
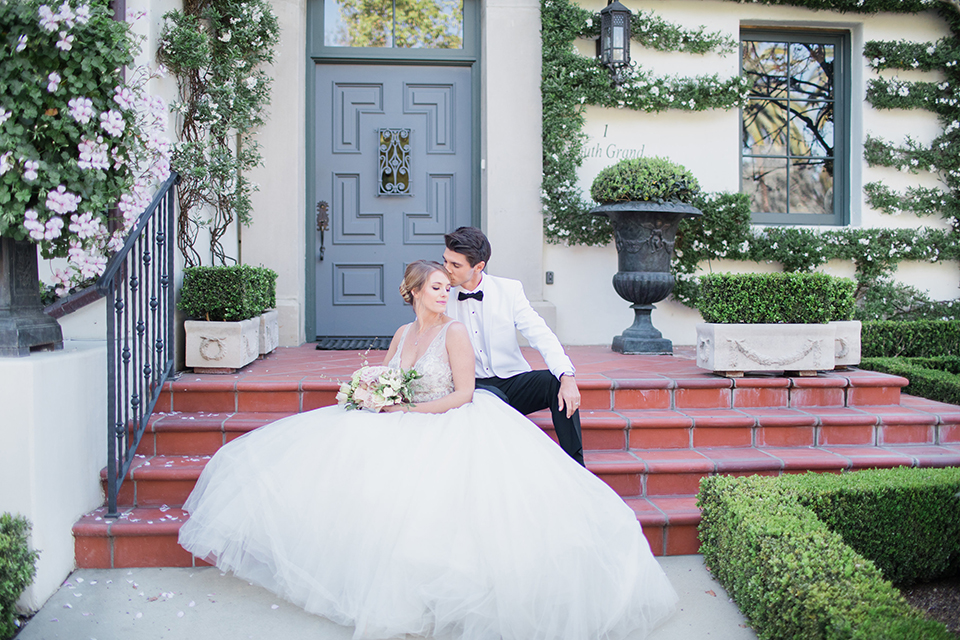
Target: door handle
<point>323,223</point>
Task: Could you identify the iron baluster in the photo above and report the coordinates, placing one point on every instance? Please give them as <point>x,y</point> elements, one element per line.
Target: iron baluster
<point>140,324</point>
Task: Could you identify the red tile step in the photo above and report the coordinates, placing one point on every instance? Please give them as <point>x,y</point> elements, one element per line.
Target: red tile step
<point>147,536</point>
<point>688,428</point>
<point>295,379</point>
<point>659,485</point>
<point>653,426</point>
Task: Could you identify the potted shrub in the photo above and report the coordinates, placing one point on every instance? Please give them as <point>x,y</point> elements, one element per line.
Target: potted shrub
<point>234,321</point>
<point>775,322</point>
<point>645,200</point>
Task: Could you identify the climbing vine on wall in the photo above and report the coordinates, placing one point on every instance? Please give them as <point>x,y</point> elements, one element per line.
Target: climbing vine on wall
<point>572,81</point>
<point>217,49</point>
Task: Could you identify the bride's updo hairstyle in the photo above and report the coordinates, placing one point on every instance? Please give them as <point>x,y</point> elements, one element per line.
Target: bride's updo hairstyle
<point>416,275</point>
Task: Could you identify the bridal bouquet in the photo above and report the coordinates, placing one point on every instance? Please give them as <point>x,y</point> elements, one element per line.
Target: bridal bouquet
<point>373,388</point>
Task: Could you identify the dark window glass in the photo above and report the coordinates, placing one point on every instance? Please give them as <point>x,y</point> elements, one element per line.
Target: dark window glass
<point>793,153</point>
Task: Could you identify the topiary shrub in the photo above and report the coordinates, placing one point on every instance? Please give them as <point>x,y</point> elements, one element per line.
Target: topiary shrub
<point>775,298</point>
<point>18,566</point>
<point>638,179</point>
<point>227,294</point>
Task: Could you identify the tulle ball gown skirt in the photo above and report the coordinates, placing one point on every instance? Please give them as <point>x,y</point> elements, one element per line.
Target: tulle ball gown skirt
<point>471,524</point>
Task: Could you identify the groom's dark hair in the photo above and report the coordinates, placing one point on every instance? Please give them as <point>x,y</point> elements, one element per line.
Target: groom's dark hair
<point>469,242</point>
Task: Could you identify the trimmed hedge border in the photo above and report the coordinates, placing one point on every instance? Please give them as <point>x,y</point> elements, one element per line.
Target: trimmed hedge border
<point>793,551</point>
<point>931,378</point>
<point>227,293</point>
<point>912,338</point>
<point>775,298</point>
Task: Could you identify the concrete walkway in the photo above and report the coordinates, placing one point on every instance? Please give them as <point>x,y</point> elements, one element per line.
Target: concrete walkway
<point>189,604</point>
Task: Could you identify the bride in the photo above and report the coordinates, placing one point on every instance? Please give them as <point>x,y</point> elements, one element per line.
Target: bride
<point>452,516</point>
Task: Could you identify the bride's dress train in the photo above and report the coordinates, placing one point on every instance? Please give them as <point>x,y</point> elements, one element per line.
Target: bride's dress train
<point>470,523</point>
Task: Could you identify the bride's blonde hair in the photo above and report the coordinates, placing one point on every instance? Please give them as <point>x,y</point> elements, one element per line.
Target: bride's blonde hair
<point>416,275</point>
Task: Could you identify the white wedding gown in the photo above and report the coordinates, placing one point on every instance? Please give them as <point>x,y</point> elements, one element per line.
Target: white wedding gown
<point>471,524</point>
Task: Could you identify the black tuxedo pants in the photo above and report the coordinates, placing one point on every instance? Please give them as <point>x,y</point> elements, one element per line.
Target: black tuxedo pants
<point>536,390</point>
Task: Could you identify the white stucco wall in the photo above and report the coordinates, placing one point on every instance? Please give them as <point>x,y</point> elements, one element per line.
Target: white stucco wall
<point>53,444</point>
<point>582,300</point>
<point>707,143</point>
<point>276,238</point>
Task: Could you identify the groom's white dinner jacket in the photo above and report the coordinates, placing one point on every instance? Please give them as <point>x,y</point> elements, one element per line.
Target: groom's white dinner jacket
<point>503,311</point>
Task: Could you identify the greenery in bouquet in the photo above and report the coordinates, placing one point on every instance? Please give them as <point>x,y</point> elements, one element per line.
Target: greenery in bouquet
<point>78,134</point>
<point>376,387</point>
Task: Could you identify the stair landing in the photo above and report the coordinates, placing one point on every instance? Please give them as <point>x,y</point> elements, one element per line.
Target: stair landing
<point>653,426</point>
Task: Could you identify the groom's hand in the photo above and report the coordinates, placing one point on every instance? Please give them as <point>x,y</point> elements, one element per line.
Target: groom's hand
<point>569,396</point>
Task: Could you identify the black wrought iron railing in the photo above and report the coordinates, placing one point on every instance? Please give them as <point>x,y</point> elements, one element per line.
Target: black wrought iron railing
<point>138,285</point>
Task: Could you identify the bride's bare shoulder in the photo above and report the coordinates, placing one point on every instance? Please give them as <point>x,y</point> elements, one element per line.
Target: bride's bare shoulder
<point>457,327</point>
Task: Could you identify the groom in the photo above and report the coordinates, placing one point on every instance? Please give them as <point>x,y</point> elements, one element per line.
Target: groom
<point>493,309</point>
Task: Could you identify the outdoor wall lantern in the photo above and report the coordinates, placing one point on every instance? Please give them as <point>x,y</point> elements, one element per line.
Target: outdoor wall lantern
<point>614,42</point>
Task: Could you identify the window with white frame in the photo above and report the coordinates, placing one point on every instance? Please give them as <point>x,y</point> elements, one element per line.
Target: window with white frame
<point>794,163</point>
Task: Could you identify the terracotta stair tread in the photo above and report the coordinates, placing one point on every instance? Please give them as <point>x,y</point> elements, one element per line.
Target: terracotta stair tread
<point>100,540</point>
<point>653,427</point>
<point>167,480</point>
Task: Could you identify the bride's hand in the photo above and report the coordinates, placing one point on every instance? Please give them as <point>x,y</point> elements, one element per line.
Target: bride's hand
<point>393,408</point>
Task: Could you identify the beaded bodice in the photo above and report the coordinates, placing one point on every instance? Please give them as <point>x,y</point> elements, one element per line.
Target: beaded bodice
<point>433,366</point>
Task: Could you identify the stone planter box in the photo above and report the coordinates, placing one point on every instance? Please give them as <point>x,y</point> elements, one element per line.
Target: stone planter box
<point>269,331</point>
<point>732,349</point>
<point>847,343</point>
<point>221,347</point>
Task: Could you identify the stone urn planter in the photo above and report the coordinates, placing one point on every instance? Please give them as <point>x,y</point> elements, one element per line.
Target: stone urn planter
<point>644,234</point>
<point>24,327</point>
<point>645,200</point>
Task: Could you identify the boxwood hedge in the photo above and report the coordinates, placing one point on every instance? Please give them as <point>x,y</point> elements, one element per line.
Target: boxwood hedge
<point>912,338</point>
<point>228,293</point>
<point>803,556</point>
<point>774,298</point>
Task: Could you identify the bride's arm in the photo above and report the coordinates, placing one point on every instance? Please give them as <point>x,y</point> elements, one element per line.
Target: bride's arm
<point>394,343</point>
<point>460,354</point>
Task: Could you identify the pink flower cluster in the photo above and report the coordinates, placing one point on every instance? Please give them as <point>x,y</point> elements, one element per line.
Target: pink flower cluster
<point>89,264</point>
<point>112,122</point>
<point>126,135</point>
<point>86,226</point>
<point>62,201</point>
<point>81,109</point>
<point>40,231</point>
<point>65,16</point>
<point>94,154</point>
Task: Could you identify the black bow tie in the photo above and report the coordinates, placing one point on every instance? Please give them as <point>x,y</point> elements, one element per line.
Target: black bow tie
<point>476,295</point>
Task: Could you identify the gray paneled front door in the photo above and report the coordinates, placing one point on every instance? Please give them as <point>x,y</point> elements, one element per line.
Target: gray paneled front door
<point>394,164</point>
